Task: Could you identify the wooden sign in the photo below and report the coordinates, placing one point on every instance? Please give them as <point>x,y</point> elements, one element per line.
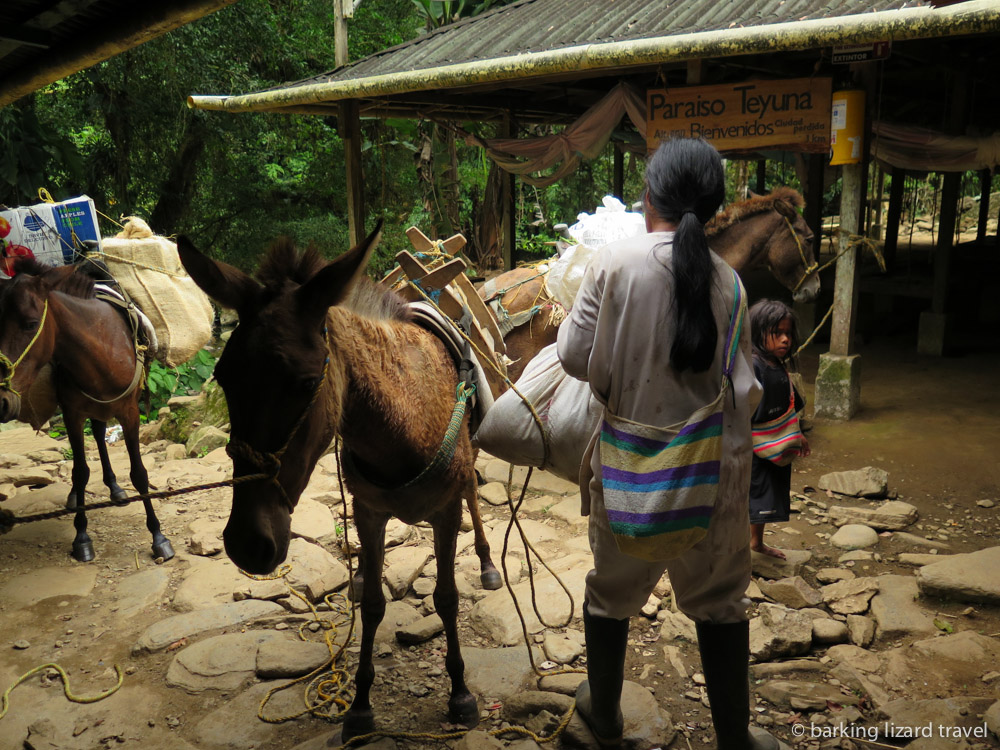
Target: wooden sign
<point>791,114</point>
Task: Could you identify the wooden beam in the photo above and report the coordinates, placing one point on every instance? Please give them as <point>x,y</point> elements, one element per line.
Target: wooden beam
<point>761,187</point>
<point>985,182</point>
<point>349,125</point>
<point>618,176</point>
<point>816,164</point>
<point>24,36</point>
<point>148,21</point>
<point>508,226</point>
<point>897,190</point>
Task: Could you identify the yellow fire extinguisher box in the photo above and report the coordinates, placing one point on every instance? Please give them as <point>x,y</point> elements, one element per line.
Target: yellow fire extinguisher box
<point>847,122</point>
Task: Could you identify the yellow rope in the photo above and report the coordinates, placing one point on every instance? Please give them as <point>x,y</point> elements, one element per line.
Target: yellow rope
<point>8,379</point>
<point>5,701</point>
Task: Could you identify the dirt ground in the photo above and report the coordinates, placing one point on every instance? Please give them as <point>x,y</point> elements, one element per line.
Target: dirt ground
<point>932,423</point>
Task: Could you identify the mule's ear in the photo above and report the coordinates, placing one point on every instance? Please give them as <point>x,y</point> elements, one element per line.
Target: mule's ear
<point>786,209</point>
<point>331,285</point>
<point>228,286</point>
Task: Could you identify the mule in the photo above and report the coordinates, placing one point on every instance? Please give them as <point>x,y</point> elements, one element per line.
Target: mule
<point>321,350</point>
<point>50,319</point>
<point>765,230</point>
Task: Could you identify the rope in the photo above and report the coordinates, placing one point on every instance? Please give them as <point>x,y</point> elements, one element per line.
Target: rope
<point>447,450</point>
<point>5,700</point>
<point>8,380</point>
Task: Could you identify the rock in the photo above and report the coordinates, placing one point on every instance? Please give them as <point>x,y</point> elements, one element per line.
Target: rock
<point>402,567</point>
<point>20,644</point>
<point>950,713</point>
<point>30,588</point>
<point>866,482</point>
<point>172,629</point>
<point>850,597</point>
<point>895,611</point>
<point>646,724</point>
<point>793,592</point>
<point>494,493</point>
<point>313,521</point>
<point>973,577</point>
<point>891,516</point>
<point>803,696</point>
<point>854,536</point>
<point>779,632</point>
<point>520,708</point>
<point>566,684</point>
<point>859,658</point>
<point>921,558</point>
<point>856,555</point>
<point>282,657</point>
<point>992,717</point>
<point>205,439</point>
<point>905,537</point>
<point>494,615</point>
<point>206,536</point>
<point>420,630</point>
<point>561,649</point>
<point>765,566</point>
<point>41,500</point>
<point>497,673</point>
<point>832,575</point>
<point>398,615</point>
<point>985,503</point>
<point>969,647</point>
<point>677,625</point>
<point>790,667</point>
<point>175,452</point>
<point>477,739</point>
<point>140,590</point>
<point>315,569</point>
<point>218,730</point>
<point>860,630</point>
<point>826,632</point>
<point>208,585</point>
<point>223,662</point>
<point>27,477</point>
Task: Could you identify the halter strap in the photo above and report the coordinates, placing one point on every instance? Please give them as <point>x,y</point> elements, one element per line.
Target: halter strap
<point>810,268</point>
<point>7,382</point>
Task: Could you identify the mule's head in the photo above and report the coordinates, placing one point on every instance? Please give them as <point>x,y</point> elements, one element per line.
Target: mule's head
<point>282,382</point>
<point>26,330</point>
<point>791,254</point>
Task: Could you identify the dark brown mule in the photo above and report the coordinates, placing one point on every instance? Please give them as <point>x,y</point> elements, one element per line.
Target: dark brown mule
<point>51,316</point>
<point>766,230</point>
<point>321,350</point>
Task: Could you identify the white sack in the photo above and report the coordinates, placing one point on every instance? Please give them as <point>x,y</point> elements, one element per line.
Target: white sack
<point>568,412</point>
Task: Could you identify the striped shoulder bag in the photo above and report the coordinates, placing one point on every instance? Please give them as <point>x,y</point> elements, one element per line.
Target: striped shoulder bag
<point>779,440</point>
<point>660,483</point>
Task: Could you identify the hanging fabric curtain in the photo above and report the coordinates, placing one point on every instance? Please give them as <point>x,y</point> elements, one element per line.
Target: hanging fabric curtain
<point>923,150</point>
<point>585,138</point>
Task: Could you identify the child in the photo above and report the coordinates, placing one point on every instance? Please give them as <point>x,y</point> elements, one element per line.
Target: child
<point>774,334</point>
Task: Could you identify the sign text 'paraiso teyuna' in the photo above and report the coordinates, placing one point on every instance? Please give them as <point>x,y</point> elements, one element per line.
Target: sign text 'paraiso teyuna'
<point>790,114</point>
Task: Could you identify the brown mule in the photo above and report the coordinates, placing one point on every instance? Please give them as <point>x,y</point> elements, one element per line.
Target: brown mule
<point>320,350</point>
<point>50,316</point>
<point>766,230</point>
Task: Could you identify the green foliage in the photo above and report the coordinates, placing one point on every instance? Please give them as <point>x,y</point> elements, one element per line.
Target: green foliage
<point>186,379</point>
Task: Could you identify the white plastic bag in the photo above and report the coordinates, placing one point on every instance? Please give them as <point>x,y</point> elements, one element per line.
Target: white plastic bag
<point>566,273</point>
<point>568,412</point>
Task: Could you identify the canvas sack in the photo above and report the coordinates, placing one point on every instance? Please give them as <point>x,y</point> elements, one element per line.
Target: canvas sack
<point>569,416</point>
<point>660,484</point>
<point>149,269</point>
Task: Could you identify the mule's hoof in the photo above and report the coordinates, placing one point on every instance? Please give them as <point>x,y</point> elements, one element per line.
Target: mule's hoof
<point>119,496</point>
<point>463,709</point>
<point>163,549</point>
<point>491,579</point>
<point>357,723</point>
<point>83,551</point>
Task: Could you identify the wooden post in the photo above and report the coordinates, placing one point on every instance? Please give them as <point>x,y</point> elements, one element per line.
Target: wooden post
<point>349,126</point>
<point>761,187</point>
<point>984,204</point>
<point>897,190</point>
<point>508,226</point>
<point>845,295</point>
<point>814,199</point>
<point>618,177</point>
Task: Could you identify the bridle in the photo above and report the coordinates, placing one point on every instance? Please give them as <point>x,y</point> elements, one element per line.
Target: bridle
<point>268,464</point>
<point>7,383</point>
<point>810,268</point>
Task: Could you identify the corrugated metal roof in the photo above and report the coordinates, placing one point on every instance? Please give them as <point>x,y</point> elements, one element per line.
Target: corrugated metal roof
<point>531,26</point>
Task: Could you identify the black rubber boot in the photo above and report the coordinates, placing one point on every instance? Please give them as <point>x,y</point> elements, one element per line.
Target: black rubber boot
<point>598,699</point>
<point>725,661</point>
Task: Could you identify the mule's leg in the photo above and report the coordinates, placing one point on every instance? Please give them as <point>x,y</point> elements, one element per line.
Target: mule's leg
<point>488,574</point>
<point>360,719</point>
<point>100,429</point>
<point>129,421</point>
<point>462,706</point>
<point>83,547</point>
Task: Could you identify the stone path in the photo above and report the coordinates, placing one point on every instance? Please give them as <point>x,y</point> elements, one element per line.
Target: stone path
<point>865,625</point>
